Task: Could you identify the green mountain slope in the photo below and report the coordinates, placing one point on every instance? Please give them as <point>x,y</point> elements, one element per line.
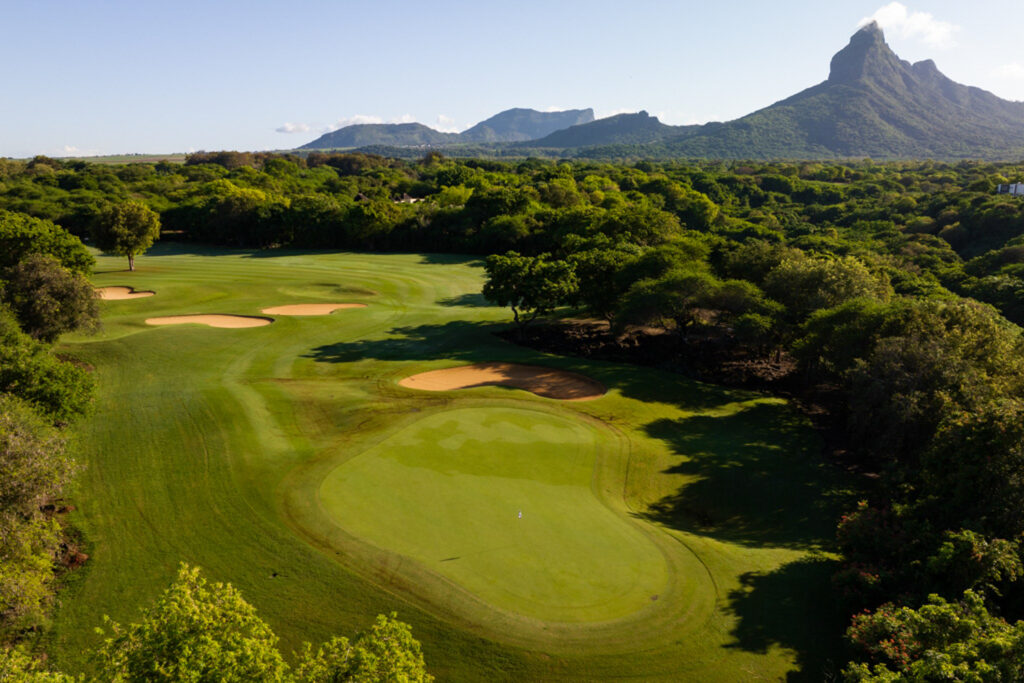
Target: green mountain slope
<point>399,134</point>
<point>627,129</point>
<point>873,104</point>
<point>514,125</point>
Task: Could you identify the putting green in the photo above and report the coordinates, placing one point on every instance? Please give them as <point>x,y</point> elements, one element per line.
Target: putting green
<point>499,500</point>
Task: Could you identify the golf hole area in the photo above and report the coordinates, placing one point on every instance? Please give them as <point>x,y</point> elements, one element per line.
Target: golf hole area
<point>542,381</point>
<point>499,501</point>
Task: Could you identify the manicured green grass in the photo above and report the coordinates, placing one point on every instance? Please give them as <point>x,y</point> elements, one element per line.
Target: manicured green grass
<point>670,529</point>
<point>498,500</point>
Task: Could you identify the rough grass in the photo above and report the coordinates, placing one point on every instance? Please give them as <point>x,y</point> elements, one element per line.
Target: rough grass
<point>287,460</point>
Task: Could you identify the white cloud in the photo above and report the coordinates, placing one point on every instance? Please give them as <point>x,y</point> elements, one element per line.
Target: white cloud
<point>353,121</point>
<point>293,128</point>
<point>72,151</point>
<point>446,124</point>
<point>904,23</point>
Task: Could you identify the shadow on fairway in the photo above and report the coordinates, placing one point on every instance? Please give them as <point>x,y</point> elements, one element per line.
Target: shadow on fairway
<point>452,259</point>
<point>478,342</point>
<point>792,607</point>
<point>756,478</point>
<point>424,342</point>
<point>471,300</point>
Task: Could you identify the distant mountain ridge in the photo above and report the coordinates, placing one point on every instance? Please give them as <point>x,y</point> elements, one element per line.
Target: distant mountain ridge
<point>639,128</point>
<point>511,125</point>
<point>873,104</point>
<point>516,125</point>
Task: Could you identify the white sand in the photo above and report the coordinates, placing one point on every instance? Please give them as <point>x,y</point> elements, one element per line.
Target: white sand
<point>120,293</point>
<point>229,321</point>
<point>309,309</point>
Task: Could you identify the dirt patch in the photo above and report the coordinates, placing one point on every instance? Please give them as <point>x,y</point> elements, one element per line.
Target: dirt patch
<point>546,382</point>
<point>214,320</point>
<point>309,309</point>
<point>121,293</point>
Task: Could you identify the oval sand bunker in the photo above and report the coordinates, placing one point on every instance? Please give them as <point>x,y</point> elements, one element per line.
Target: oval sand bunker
<point>121,293</point>
<point>309,309</point>
<point>546,382</point>
<point>214,320</point>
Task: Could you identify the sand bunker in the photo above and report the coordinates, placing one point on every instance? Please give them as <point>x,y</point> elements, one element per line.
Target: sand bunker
<point>120,293</point>
<point>232,321</point>
<point>309,309</point>
<point>547,382</point>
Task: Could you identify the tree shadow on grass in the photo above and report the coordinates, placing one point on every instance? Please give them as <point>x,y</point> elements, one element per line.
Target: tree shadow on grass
<point>455,340</point>
<point>452,259</point>
<point>756,478</point>
<point>473,300</point>
<point>478,342</point>
<point>793,607</point>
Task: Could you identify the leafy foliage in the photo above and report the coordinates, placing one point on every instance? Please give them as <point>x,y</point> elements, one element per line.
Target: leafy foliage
<point>127,229</point>
<point>48,299</point>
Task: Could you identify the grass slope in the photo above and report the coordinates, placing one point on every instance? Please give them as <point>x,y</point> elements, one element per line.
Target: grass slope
<point>284,458</point>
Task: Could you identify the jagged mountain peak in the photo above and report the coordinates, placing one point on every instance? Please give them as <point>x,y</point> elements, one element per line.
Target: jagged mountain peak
<point>866,56</point>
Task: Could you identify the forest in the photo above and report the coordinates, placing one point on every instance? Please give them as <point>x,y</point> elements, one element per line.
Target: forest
<point>886,296</point>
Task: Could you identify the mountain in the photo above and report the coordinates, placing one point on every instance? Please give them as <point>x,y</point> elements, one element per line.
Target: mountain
<point>397,134</point>
<point>509,126</point>
<point>873,104</point>
<point>624,129</point>
<point>514,125</point>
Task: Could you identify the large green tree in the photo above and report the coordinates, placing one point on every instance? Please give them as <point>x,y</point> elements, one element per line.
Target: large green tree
<point>530,285</point>
<point>126,229</point>
<point>49,299</point>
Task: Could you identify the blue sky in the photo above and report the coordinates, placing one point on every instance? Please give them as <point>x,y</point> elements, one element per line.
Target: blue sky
<point>118,77</point>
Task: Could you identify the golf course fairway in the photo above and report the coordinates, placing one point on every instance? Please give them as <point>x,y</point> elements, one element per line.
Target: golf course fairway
<point>670,530</point>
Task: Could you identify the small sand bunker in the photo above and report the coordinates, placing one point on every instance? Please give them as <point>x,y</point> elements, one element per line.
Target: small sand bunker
<point>120,293</point>
<point>215,320</point>
<point>546,382</point>
<point>309,309</point>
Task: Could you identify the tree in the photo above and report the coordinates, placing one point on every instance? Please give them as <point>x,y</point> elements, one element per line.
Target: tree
<point>126,229</point>
<point>387,652</point>
<point>58,389</point>
<point>672,300</point>
<point>199,632</point>
<point>48,299</point>
<point>600,287</point>
<point>941,641</point>
<point>22,235</point>
<point>34,468</point>
<point>196,631</point>
<point>17,666</point>
<point>805,285</point>
<point>530,285</point>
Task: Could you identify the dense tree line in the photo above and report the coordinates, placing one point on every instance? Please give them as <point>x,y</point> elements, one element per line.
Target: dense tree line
<point>43,293</point>
<point>899,286</point>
